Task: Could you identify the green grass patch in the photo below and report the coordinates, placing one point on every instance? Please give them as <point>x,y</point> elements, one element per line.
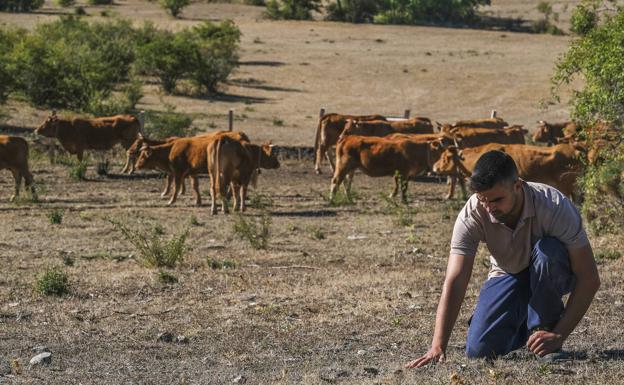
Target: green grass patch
<point>53,281</point>
<point>55,216</point>
<point>256,232</point>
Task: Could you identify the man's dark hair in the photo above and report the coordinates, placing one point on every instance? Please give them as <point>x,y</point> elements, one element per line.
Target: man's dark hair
<point>493,167</point>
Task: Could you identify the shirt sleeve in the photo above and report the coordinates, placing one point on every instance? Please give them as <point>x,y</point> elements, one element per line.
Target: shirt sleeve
<point>567,225</point>
<point>466,236</point>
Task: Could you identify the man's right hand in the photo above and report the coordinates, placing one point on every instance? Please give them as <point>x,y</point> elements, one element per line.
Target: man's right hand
<point>434,355</point>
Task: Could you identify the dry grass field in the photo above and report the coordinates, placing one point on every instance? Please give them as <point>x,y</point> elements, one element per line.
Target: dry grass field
<point>343,294</point>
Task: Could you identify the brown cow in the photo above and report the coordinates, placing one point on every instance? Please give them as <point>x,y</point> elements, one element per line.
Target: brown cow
<point>473,137</point>
<point>235,163</point>
<point>77,135</point>
<point>375,156</point>
<point>549,132</point>
<point>495,123</point>
<point>181,158</point>
<point>329,128</point>
<point>14,156</point>
<point>557,166</point>
<point>384,128</point>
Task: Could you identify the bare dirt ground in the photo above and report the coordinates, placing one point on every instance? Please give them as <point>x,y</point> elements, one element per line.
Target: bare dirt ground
<point>342,294</point>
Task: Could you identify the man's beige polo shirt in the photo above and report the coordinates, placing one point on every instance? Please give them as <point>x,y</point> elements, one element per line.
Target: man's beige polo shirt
<point>546,212</point>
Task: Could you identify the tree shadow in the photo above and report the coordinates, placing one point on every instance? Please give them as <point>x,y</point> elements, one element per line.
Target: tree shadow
<point>612,355</point>
<point>233,98</point>
<point>305,213</point>
<point>260,85</point>
<point>266,63</point>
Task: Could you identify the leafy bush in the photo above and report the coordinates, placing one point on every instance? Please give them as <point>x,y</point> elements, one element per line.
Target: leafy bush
<point>20,5</point>
<point>78,170</point>
<point>257,233</point>
<point>174,6</point>
<point>56,216</point>
<point>153,251</point>
<point>596,58</point>
<point>292,9</point>
<point>215,264</point>
<point>168,123</point>
<point>354,11</point>
<point>8,38</point>
<point>545,25</point>
<point>584,19</point>
<point>52,282</point>
<point>166,277</point>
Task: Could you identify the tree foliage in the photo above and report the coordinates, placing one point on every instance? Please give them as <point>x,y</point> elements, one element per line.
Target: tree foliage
<point>174,7</point>
<point>20,5</point>
<point>597,58</point>
<point>292,9</point>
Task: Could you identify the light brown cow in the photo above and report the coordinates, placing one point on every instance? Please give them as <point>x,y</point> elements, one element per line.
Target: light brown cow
<point>181,158</point>
<point>14,156</point>
<point>473,137</point>
<point>384,128</point>
<point>235,163</point>
<point>77,135</point>
<point>134,151</point>
<point>495,123</point>
<point>401,158</point>
<point>550,132</point>
<point>557,166</point>
<point>329,128</point>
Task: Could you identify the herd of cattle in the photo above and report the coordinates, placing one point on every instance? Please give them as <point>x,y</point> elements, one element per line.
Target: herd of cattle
<point>403,149</point>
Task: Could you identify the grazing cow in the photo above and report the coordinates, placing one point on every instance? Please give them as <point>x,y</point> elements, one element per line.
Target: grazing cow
<point>401,158</point>
<point>384,128</point>
<point>77,135</point>
<point>550,132</point>
<point>495,123</point>
<point>329,128</point>
<point>14,156</point>
<point>235,163</point>
<point>180,158</point>
<point>557,166</point>
<point>473,137</point>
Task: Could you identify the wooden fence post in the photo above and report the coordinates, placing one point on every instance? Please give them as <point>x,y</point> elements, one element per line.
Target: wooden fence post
<point>322,112</point>
<point>493,114</point>
<point>406,114</point>
<point>231,119</point>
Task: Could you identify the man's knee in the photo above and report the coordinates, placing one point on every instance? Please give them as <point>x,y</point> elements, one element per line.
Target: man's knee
<point>479,349</point>
<point>550,251</point>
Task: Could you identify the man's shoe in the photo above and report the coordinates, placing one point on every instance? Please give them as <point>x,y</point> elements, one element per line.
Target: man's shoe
<point>555,357</point>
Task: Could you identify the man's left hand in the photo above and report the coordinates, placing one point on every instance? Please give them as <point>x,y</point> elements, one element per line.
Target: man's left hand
<point>543,342</point>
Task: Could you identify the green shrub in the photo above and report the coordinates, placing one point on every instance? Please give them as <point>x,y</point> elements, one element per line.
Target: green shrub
<point>260,201</point>
<point>545,25</point>
<point>78,170</point>
<point>8,39</point>
<point>20,5</point>
<point>153,251</point>
<point>584,18</point>
<point>80,11</point>
<point>341,198</point>
<point>166,277</point>
<point>354,11</point>
<point>257,233</point>
<point>292,9</point>
<point>56,216</point>
<point>65,3</point>
<point>133,92</point>
<point>215,264</point>
<point>53,281</point>
<point>174,6</point>
<point>168,123</point>
<point>403,213</point>
<point>317,233</point>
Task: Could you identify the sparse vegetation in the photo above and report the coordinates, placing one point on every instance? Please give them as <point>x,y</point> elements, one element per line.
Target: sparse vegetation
<point>216,264</point>
<point>53,281</point>
<point>174,7</point>
<point>256,232</point>
<point>168,123</point>
<point>166,278</point>
<point>55,216</point>
<point>403,213</point>
<point>317,233</point>
<point>545,24</point>
<point>341,198</point>
<point>292,9</point>
<point>78,170</point>
<point>260,201</point>
<point>20,5</point>
<point>154,251</point>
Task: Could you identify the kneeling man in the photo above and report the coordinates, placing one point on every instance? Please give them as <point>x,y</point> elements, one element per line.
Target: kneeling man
<point>540,252</point>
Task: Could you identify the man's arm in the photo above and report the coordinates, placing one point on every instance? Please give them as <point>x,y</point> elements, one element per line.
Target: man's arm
<point>458,273</point>
<point>584,269</point>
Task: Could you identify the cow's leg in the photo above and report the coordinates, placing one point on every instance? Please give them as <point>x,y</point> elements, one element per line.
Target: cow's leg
<point>235,188</point>
<point>177,178</point>
<point>320,151</point>
<point>30,184</point>
<point>404,190</point>
<point>168,182</point>
<point>183,189</point>
<point>330,159</point>
<point>213,195</point>
<point>18,181</point>
<point>195,186</point>
<point>462,185</point>
<point>337,179</point>
<point>395,191</point>
<point>451,192</point>
<point>349,182</point>
<point>80,155</point>
<point>243,194</point>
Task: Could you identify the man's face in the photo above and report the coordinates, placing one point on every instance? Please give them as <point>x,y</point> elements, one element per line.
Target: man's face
<point>502,200</point>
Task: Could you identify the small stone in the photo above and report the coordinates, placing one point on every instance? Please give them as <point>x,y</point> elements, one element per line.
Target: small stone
<point>361,352</point>
<point>240,379</point>
<point>165,337</point>
<point>44,358</point>
<point>182,339</point>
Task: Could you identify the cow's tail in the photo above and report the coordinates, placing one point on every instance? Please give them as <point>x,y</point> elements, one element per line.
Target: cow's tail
<point>317,139</point>
<point>217,166</point>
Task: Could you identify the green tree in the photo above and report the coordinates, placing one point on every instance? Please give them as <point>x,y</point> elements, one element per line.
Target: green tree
<point>597,58</point>
<point>20,5</point>
<point>292,9</point>
<point>174,6</point>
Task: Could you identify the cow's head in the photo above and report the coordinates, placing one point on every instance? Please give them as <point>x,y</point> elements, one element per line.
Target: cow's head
<point>49,127</point>
<point>145,159</point>
<point>268,158</point>
<point>447,163</point>
<point>434,151</point>
<point>543,133</point>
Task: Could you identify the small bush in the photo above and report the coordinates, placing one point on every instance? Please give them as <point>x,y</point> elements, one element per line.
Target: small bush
<point>260,201</point>
<point>292,9</point>
<point>153,251</point>
<point>608,254</point>
<point>174,7</point>
<point>65,3</point>
<point>341,198</point>
<point>78,170</point>
<point>79,11</point>
<point>404,214</point>
<point>168,123</point>
<point>56,216</point>
<point>166,277</point>
<point>257,233</point>
<point>20,5</point>
<point>317,233</point>
<point>52,282</point>
<point>68,258</point>
<point>353,11</point>
<point>215,264</point>
<point>584,19</point>
<point>194,221</point>
<point>133,92</point>
<point>278,122</point>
